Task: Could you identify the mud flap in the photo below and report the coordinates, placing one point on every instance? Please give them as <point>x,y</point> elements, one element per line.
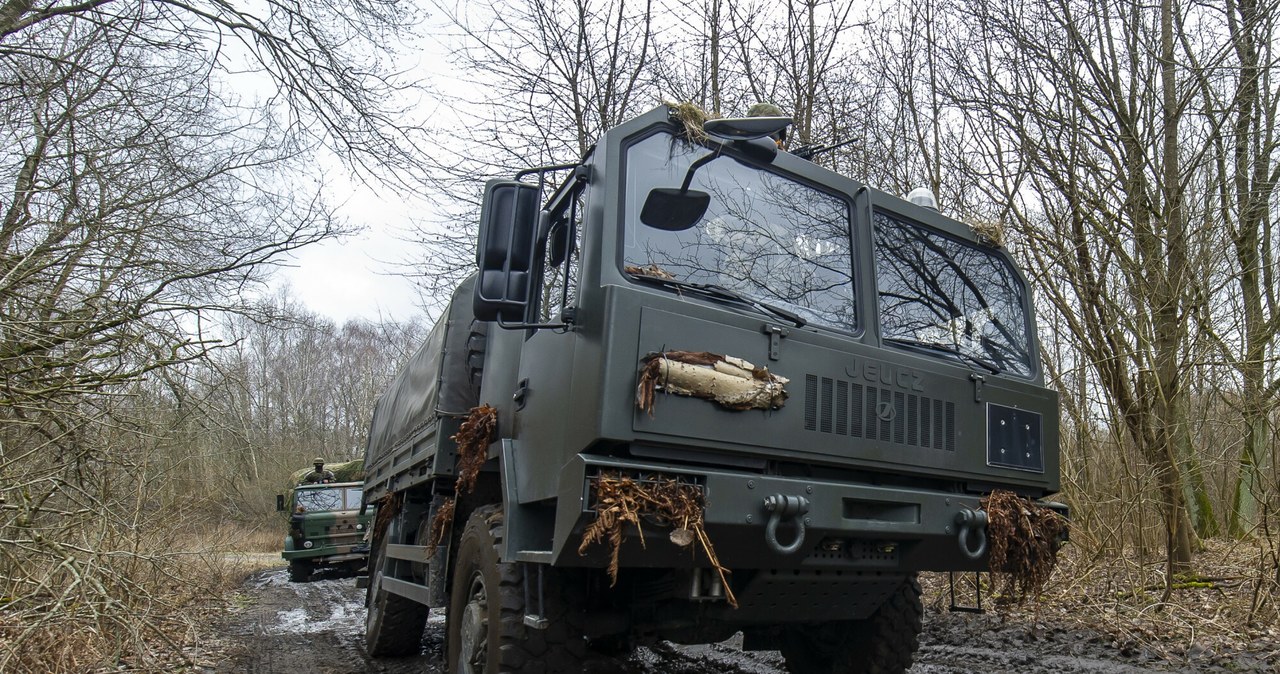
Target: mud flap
<point>438,562</point>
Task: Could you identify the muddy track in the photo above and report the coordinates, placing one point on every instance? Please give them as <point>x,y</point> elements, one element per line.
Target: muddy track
<point>318,626</point>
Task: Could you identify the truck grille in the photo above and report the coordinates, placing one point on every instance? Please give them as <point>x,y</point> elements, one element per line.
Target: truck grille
<point>847,408</point>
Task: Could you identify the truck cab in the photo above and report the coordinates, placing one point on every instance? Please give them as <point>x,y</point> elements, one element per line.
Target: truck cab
<point>899,382</point>
<point>326,529</point>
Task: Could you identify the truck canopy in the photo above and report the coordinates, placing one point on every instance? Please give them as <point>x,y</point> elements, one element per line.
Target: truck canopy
<point>433,382</point>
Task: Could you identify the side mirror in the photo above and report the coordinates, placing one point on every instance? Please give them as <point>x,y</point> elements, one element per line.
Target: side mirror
<point>674,210</point>
<point>279,502</point>
<point>505,252</point>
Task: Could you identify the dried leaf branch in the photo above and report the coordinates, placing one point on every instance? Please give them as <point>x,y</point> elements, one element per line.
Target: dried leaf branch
<point>1024,538</point>
<point>439,526</point>
<point>387,508</point>
<point>473,438</point>
<point>660,500</point>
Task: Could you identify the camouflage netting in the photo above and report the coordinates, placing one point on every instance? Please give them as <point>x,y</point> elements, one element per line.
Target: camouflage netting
<point>661,500</point>
<point>1024,538</point>
<point>347,471</point>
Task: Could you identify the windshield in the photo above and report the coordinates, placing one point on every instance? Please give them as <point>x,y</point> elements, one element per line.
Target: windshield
<point>320,500</point>
<point>764,235</point>
<point>936,291</point>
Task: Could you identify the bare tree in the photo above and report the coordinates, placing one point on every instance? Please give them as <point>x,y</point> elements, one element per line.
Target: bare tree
<point>544,80</point>
<point>795,57</point>
<point>321,64</point>
<point>139,202</point>
<point>1242,168</point>
<point>1086,146</point>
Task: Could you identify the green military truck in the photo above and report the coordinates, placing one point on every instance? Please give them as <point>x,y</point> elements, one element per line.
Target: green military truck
<point>326,528</point>
<point>701,386</point>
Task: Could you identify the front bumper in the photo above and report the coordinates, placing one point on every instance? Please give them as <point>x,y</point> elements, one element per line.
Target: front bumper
<point>328,554</point>
<point>755,522</point>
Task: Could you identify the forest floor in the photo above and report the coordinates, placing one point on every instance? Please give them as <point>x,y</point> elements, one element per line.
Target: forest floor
<point>1082,623</point>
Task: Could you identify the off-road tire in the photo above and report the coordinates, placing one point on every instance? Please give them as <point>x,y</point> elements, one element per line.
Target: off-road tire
<point>885,643</point>
<point>300,570</point>
<point>393,624</point>
<point>509,646</point>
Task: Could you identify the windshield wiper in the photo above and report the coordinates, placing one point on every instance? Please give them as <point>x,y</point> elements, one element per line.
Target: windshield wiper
<point>947,349</point>
<point>721,292</point>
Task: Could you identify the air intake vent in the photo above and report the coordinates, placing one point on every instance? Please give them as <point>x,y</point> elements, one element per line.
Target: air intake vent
<point>847,408</point>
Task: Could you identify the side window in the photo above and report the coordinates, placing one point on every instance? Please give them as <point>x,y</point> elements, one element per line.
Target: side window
<point>562,258</point>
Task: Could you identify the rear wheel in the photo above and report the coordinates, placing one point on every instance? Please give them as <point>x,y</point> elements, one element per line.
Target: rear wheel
<point>394,623</point>
<point>487,634</point>
<point>881,644</point>
<point>300,570</point>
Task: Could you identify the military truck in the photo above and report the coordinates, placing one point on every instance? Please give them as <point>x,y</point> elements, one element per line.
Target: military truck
<point>826,380</point>
<point>327,527</point>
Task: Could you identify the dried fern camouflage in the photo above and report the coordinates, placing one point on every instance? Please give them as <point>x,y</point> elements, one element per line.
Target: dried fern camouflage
<point>658,499</point>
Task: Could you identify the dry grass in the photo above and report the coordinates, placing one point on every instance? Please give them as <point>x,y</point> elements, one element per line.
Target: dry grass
<point>691,118</point>
<point>1226,607</point>
<point>238,537</point>
<point>138,600</point>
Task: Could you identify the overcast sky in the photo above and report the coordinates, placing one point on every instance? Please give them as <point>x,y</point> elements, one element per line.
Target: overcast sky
<point>348,279</point>
<point>352,277</point>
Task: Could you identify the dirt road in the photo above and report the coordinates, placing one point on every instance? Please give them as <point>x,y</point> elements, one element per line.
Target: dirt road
<point>286,628</point>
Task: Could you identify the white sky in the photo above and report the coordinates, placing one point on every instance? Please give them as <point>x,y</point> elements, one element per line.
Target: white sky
<point>354,277</point>
<point>351,278</point>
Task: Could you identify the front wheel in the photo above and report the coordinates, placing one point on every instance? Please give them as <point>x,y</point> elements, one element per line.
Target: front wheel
<point>487,634</point>
<point>885,643</point>
<point>300,570</point>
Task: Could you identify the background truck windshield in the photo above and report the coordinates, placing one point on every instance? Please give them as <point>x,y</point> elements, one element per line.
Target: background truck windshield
<point>320,500</point>
<point>942,292</point>
<point>764,235</point>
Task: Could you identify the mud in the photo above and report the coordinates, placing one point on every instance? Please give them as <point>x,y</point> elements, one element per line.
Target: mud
<point>318,626</point>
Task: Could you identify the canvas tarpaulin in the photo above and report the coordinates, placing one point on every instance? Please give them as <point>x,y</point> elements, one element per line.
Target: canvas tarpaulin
<point>436,381</point>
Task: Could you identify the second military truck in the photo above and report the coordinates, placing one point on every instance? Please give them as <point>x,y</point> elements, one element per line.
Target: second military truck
<point>703,386</point>
<point>327,527</point>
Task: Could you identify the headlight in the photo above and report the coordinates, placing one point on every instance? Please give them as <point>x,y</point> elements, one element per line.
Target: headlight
<point>359,527</point>
<point>307,544</point>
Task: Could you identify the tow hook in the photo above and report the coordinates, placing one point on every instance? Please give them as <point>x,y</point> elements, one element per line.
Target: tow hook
<point>780,506</point>
<point>972,536</point>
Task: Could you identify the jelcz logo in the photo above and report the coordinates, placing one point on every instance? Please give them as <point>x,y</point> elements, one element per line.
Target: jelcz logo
<point>880,373</point>
<point>886,412</point>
